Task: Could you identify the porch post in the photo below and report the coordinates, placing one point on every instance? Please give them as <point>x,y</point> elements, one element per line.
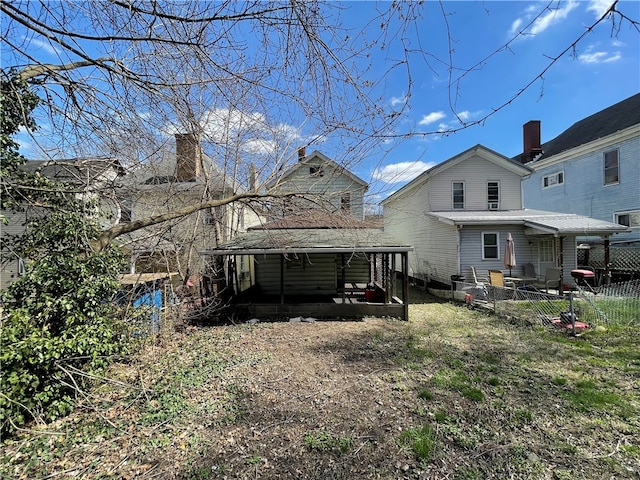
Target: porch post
<point>405,284</point>
<point>607,262</point>
<point>282,278</point>
<point>343,277</point>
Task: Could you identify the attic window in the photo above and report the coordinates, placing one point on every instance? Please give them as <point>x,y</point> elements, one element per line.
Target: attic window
<point>316,171</point>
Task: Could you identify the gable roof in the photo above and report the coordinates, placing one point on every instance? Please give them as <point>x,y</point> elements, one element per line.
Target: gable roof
<point>606,122</point>
<point>539,220</point>
<point>478,150</point>
<point>308,160</point>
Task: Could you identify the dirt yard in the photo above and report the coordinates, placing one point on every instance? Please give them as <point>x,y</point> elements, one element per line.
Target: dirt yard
<point>451,394</point>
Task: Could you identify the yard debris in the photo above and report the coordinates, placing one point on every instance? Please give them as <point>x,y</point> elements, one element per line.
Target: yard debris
<point>302,319</point>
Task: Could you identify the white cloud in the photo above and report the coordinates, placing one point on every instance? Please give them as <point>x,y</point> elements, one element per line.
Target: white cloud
<point>591,56</point>
<point>432,118</point>
<point>552,16</point>
<point>515,26</point>
<point>36,44</point>
<point>599,57</point>
<point>401,172</point>
<point>465,115</point>
<point>395,101</point>
<point>599,7</point>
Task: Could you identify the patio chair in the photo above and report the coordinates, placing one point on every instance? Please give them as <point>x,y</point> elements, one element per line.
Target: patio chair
<point>496,278</point>
<point>530,270</point>
<point>476,279</point>
<point>552,279</point>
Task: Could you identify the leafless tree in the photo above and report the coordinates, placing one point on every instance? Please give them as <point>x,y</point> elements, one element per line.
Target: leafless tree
<point>252,79</point>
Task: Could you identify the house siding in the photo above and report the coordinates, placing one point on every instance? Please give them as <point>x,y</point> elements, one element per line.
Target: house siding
<point>475,172</point>
<point>314,274</point>
<point>327,189</point>
<point>583,191</point>
<point>434,242</point>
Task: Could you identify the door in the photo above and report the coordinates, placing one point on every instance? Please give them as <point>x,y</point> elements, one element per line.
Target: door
<point>546,255</point>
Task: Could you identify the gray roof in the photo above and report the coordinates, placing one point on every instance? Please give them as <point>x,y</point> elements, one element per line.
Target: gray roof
<point>543,221</point>
<point>612,119</point>
<point>338,240</point>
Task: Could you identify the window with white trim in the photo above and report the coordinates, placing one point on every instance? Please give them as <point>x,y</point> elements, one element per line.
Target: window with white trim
<point>611,168</point>
<point>628,219</point>
<point>546,250</point>
<point>457,192</point>
<point>493,195</point>
<point>552,180</point>
<point>490,245</point>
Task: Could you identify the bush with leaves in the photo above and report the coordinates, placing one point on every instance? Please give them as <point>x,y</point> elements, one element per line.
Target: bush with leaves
<point>59,320</point>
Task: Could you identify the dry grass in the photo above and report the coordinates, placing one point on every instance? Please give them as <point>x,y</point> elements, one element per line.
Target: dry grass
<point>450,394</point>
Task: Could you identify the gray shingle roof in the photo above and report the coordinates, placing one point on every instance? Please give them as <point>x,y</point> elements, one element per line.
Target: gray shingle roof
<point>551,222</point>
<point>353,240</point>
<point>612,119</point>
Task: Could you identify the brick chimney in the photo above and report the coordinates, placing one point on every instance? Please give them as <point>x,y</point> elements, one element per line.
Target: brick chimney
<point>188,157</point>
<point>532,146</point>
<point>302,153</point>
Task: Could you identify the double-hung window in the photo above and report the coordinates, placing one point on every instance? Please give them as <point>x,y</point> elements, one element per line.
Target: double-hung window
<point>457,191</point>
<point>493,195</point>
<point>490,245</point>
<point>611,168</point>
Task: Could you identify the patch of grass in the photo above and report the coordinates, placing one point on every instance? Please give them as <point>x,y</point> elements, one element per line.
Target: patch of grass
<point>422,441</point>
<point>472,393</point>
<point>425,394</point>
<point>587,395</point>
<point>322,441</point>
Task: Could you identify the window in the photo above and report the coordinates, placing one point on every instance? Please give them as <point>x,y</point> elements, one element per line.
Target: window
<point>458,195</point>
<point>490,242</point>
<point>493,195</point>
<point>545,249</point>
<point>553,179</point>
<point>125,213</point>
<point>611,168</point>
<point>316,171</point>
<point>22,270</point>
<point>345,202</point>
<point>628,219</point>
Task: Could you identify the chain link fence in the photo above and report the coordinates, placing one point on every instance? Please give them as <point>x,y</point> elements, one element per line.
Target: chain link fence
<point>617,304</point>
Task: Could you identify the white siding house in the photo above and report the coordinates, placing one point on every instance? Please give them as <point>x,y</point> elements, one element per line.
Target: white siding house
<point>458,214</point>
<point>320,184</point>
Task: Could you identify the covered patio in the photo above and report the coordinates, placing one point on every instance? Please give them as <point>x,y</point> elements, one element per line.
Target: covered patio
<point>317,272</point>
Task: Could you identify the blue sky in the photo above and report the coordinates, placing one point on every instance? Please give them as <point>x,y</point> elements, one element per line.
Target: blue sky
<point>497,48</point>
<point>603,69</point>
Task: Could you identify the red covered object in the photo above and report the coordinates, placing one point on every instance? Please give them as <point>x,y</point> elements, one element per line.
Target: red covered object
<point>583,274</point>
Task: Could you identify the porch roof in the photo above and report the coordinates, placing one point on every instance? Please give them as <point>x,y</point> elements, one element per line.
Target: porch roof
<point>538,221</point>
<point>311,240</point>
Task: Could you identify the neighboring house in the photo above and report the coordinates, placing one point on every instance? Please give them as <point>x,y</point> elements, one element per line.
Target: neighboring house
<point>591,169</point>
<point>457,215</point>
<point>319,184</point>
<point>92,177</point>
<point>178,180</point>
